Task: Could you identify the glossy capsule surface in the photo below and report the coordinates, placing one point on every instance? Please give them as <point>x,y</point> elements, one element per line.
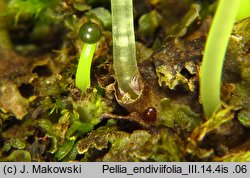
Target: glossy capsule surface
<point>150,114</point>
<point>90,33</point>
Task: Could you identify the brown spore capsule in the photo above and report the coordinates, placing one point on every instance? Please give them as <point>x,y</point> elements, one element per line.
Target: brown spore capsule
<point>150,114</point>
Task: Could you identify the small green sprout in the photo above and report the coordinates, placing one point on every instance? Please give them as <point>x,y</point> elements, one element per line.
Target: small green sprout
<point>90,34</point>
<point>215,49</point>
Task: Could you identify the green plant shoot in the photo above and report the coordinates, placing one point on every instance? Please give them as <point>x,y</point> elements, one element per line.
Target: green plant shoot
<point>215,48</point>
<point>124,52</point>
<point>244,10</point>
<point>89,33</point>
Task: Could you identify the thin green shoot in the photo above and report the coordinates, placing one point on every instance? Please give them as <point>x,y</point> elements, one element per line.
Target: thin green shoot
<point>215,49</point>
<point>89,33</point>
<point>84,66</point>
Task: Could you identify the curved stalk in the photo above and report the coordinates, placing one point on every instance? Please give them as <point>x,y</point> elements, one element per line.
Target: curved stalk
<point>215,48</point>
<point>124,56</point>
<point>84,66</point>
<point>89,33</point>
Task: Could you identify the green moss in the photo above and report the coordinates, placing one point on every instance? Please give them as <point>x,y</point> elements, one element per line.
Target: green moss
<point>102,14</point>
<point>28,7</point>
<point>91,108</point>
<point>169,148</point>
<point>18,156</point>
<point>148,23</point>
<point>235,157</point>
<point>176,115</point>
<point>244,118</point>
<point>17,143</point>
<point>141,145</point>
<point>213,123</point>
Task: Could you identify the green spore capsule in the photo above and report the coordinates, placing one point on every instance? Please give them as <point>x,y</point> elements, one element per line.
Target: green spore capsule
<point>90,33</point>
